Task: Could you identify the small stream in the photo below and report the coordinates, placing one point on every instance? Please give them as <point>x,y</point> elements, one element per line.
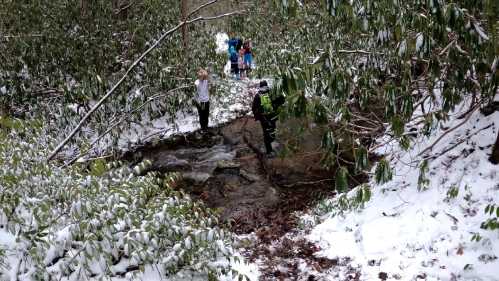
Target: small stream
<point>225,168</point>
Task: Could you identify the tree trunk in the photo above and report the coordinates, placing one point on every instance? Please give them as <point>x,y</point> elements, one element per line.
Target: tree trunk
<point>184,7</point>
<point>494,158</point>
<point>84,7</point>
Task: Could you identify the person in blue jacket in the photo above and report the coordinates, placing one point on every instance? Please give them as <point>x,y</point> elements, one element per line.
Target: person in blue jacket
<point>237,43</point>
<point>233,57</point>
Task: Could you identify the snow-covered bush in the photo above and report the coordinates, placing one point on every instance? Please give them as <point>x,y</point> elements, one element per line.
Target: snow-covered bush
<point>76,223</point>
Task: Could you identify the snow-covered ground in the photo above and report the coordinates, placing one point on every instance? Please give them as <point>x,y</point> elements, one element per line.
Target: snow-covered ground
<point>406,234</point>
<point>233,101</point>
<point>402,233</point>
<point>224,107</point>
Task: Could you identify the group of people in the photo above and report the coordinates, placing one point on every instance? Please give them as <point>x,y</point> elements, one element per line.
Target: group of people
<point>265,107</point>
<point>240,56</point>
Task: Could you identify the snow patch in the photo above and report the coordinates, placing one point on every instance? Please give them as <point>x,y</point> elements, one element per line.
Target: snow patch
<point>407,233</point>
<point>222,39</point>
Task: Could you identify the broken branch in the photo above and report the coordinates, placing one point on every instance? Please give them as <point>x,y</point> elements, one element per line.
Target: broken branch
<point>123,78</point>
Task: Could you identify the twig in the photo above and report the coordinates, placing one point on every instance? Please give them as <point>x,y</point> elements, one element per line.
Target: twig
<point>421,101</point>
<point>447,47</point>
<point>433,157</point>
<point>372,149</point>
<point>429,148</point>
<point>201,7</point>
<point>110,92</point>
<point>358,52</point>
<point>306,183</point>
<point>74,257</point>
<point>22,35</point>
<point>72,161</point>
<point>373,130</point>
<point>119,10</point>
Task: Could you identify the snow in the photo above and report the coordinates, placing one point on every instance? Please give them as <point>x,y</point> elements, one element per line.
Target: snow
<point>249,270</point>
<point>221,39</point>
<point>224,107</point>
<point>6,239</point>
<point>480,31</point>
<point>408,233</point>
<point>419,41</point>
<point>232,102</point>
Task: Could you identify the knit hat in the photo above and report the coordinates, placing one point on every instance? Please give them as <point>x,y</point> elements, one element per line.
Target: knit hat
<point>263,86</point>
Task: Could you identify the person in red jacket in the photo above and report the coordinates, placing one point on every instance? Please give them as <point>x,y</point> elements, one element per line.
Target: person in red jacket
<point>248,55</point>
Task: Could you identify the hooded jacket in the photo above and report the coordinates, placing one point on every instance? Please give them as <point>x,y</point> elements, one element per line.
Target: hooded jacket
<point>265,106</point>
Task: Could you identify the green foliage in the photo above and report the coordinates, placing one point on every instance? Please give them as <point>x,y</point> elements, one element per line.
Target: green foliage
<point>423,180</point>
<point>350,56</point>
<point>59,57</point>
<point>354,200</point>
<point>329,160</point>
<point>383,173</point>
<point>361,159</point>
<point>491,223</point>
<point>72,218</point>
<point>476,237</point>
<point>363,195</point>
<point>453,192</point>
<point>341,180</point>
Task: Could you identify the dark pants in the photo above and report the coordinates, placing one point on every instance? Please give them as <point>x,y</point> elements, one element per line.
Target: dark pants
<point>234,68</point>
<point>204,113</point>
<point>268,126</point>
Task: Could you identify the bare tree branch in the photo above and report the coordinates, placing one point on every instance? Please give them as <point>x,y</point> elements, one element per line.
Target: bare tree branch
<point>358,52</point>
<point>429,148</point>
<point>136,62</point>
<point>433,157</point>
<point>114,125</point>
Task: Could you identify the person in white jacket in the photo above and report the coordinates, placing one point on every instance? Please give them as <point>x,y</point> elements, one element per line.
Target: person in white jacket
<point>203,98</point>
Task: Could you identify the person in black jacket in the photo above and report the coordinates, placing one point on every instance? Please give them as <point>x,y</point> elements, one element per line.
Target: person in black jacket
<point>266,110</point>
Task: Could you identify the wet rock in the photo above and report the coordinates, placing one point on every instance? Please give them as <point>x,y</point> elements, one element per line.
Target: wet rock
<point>222,170</point>
<point>231,140</point>
<point>241,152</point>
<point>249,176</point>
<point>217,153</point>
<point>170,163</point>
<point>197,178</point>
<point>227,167</point>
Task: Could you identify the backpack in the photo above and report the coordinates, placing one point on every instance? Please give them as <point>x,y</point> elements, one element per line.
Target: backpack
<point>233,57</point>
<point>266,103</point>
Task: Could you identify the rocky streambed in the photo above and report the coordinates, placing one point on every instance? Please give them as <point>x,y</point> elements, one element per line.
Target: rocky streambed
<point>225,168</point>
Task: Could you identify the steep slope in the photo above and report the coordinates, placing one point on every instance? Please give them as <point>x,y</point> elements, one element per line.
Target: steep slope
<point>406,234</point>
